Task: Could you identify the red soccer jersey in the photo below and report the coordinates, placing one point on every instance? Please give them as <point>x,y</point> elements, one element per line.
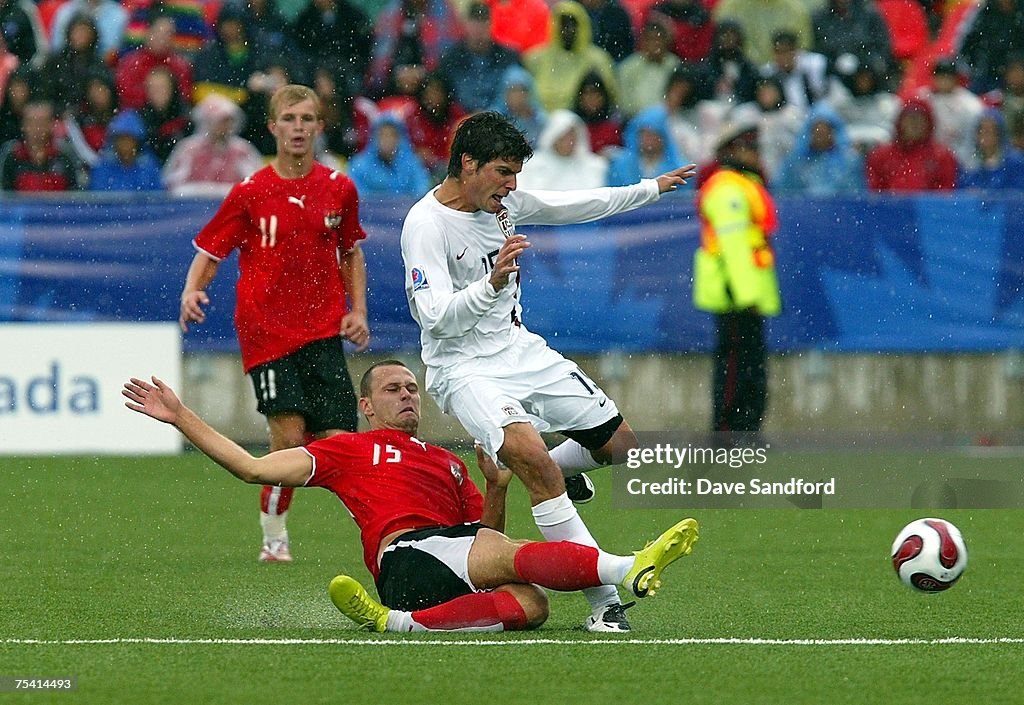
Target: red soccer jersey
<point>389,480</point>
<point>288,233</point>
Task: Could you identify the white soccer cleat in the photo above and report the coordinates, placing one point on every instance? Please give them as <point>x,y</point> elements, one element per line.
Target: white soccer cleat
<point>609,620</point>
<point>276,551</point>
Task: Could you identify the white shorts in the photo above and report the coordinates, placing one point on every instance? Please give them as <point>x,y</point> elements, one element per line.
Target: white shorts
<point>528,381</point>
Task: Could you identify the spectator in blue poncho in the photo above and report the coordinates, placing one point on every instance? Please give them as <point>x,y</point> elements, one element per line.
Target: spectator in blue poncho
<point>823,161</point>
<point>124,165</point>
<point>388,164</point>
<point>518,101</point>
<point>475,64</point>
<point>994,163</point>
<point>649,149</point>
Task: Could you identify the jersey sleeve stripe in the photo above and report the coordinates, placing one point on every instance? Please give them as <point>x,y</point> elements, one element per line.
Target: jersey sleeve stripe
<point>311,472</point>
<point>207,252</point>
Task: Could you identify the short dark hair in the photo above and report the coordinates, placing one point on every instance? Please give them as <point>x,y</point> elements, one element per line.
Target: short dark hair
<point>485,137</point>
<point>367,380</point>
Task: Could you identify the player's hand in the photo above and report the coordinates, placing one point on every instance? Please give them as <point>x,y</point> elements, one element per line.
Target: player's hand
<point>672,180</point>
<point>499,477</point>
<point>355,328</point>
<point>192,303</point>
<point>156,400</point>
<point>507,263</point>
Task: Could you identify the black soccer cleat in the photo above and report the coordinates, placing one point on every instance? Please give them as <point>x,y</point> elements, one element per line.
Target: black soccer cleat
<point>579,488</point>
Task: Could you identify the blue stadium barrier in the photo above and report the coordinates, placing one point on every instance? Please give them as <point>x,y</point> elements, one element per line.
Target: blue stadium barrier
<point>873,273</point>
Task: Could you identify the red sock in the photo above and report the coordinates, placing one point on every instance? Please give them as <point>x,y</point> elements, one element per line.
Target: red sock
<point>275,500</point>
<point>558,565</point>
<point>476,610</point>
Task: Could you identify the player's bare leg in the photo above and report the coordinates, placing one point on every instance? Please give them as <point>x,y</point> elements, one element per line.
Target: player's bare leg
<point>574,459</point>
<point>491,560</point>
<point>525,454</point>
<point>506,608</point>
<point>286,431</point>
<point>495,559</point>
<point>508,573</point>
<point>614,451</point>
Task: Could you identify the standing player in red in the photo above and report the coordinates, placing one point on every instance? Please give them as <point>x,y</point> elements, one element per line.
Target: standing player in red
<point>433,544</point>
<point>301,290</point>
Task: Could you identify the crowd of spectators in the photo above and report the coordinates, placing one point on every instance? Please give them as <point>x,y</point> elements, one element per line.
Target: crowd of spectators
<point>850,95</point>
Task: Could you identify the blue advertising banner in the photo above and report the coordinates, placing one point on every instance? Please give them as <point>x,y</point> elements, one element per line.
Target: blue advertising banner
<point>872,273</point>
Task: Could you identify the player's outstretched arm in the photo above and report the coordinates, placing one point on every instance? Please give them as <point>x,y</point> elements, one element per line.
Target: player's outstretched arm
<point>291,467</point>
<point>193,297</point>
<point>671,180</point>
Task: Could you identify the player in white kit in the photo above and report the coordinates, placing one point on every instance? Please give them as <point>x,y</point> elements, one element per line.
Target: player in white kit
<point>504,384</point>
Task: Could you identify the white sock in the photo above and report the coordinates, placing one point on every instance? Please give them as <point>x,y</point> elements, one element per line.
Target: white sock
<point>612,569</point>
<point>399,621</point>
<point>403,622</point>
<point>573,458</point>
<point>273,526</point>
<point>558,520</point>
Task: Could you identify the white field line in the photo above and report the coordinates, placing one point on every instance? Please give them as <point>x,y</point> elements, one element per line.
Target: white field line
<point>442,641</point>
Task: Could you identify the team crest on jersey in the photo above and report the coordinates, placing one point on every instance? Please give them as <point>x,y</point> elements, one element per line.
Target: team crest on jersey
<point>507,229</point>
<point>419,279</point>
<point>456,472</point>
<point>332,220</point>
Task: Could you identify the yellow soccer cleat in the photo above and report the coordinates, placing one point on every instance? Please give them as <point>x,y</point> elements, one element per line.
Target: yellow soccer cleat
<point>644,578</point>
<point>355,603</point>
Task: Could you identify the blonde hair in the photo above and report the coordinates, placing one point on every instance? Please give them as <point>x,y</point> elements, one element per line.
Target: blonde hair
<point>291,94</point>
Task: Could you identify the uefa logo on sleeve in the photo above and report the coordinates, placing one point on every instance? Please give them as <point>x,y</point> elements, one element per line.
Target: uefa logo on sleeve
<point>419,279</point>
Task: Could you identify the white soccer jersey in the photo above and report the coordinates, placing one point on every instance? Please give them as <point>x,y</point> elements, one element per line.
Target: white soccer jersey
<point>449,255</point>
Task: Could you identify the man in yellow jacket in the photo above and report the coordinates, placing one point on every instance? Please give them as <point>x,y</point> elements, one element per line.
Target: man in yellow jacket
<point>734,277</point>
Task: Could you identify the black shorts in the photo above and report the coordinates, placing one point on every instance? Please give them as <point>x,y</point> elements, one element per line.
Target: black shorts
<point>421,568</point>
<point>314,382</point>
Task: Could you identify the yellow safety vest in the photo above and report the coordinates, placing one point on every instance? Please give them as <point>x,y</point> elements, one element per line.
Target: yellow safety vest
<point>734,268</point>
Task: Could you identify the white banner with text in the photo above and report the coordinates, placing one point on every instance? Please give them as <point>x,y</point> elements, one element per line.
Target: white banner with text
<point>60,387</point>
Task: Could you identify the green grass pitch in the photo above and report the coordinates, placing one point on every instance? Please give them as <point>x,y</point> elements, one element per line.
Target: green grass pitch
<point>150,565</point>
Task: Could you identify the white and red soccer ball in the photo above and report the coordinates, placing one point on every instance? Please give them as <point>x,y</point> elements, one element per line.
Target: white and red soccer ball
<point>929,555</point>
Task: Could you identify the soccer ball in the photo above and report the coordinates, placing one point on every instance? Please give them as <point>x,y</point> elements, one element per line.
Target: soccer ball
<point>929,555</point>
